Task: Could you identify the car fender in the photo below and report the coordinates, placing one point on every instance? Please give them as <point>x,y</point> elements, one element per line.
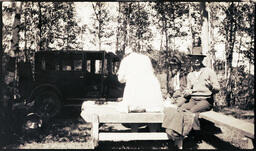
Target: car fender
<point>47,86</point>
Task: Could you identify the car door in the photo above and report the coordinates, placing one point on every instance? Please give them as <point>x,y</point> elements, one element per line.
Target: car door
<point>72,75</point>
<point>94,74</point>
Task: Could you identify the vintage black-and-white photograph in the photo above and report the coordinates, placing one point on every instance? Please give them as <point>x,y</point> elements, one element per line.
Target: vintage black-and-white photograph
<point>127,75</point>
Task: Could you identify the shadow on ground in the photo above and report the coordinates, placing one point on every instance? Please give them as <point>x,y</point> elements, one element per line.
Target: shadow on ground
<point>204,139</point>
<point>68,126</point>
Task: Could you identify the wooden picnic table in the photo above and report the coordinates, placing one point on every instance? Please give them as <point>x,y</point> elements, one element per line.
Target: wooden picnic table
<point>107,113</point>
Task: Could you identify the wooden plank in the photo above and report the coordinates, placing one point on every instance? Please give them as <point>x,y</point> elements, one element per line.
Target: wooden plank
<point>95,129</point>
<point>132,118</point>
<point>125,117</point>
<point>89,107</point>
<point>218,118</point>
<point>108,114</point>
<point>250,144</point>
<point>95,99</point>
<point>132,136</point>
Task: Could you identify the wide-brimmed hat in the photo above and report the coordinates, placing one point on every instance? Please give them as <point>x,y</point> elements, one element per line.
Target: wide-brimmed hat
<point>197,51</point>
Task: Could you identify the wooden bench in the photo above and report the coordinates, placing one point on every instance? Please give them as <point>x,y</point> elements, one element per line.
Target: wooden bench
<point>243,127</point>
<point>107,113</point>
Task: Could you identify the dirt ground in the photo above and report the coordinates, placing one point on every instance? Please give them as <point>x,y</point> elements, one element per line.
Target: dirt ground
<point>69,131</point>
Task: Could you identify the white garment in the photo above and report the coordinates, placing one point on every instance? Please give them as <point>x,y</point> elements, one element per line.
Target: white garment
<point>142,89</point>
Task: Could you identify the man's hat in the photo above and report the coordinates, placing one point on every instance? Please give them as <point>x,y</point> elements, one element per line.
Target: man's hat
<point>197,51</point>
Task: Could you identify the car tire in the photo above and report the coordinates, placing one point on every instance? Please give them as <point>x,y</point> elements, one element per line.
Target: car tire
<point>47,104</point>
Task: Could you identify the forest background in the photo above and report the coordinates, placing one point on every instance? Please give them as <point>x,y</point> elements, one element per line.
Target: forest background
<point>159,29</point>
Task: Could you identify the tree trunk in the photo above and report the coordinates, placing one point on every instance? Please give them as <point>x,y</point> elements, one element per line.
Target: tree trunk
<point>128,24</point>
<point>161,41</point>
<point>174,38</point>
<point>25,34</point>
<point>226,53</point>
<point>15,32</point>
<point>232,39</point>
<point>99,19</point>
<point>11,56</point>
<point>40,26</point>
<point>50,29</point>
<point>167,54</point>
<point>99,34</point>
<point>5,89</point>
<point>190,26</point>
<point>139,35</point>
<point>210,37</point>
<point>1,46</point>
<point>205,33</point>
<point>125,31</point>
<point>68,29</point>
<point>239,52</point>
<point>118,27</point>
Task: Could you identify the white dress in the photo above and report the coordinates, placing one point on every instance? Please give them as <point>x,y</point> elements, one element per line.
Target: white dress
<point>142,89</point>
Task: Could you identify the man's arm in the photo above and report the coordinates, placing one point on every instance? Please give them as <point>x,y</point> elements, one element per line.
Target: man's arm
<point>215,86</point>
<point>188,90</point>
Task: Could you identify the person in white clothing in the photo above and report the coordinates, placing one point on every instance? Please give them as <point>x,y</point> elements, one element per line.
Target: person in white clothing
<point>142,89</point>
<point>142,92</point>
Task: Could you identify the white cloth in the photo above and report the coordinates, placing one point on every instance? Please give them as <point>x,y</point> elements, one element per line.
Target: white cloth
<point>142,88</point>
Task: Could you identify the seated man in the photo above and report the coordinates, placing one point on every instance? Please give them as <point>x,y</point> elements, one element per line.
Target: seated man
<point>202,84</point>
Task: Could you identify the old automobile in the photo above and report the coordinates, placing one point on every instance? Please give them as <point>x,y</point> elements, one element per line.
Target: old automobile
<point>69,77</point>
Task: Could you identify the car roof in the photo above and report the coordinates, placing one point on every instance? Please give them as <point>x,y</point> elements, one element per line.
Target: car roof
<point>90,53</point>
<point>69,51</point>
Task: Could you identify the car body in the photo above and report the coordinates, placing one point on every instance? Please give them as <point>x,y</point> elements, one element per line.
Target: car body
<point>65,77</point>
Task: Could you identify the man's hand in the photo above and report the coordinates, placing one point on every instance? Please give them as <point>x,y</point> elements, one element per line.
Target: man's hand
<point>187,92</point>
<point>177,94</point>
<point>208,84</point>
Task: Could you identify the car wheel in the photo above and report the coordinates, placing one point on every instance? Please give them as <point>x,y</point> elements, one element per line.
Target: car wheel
<point>47,104</point>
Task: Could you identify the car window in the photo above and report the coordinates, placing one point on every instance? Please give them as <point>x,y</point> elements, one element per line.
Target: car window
<point>66,67</point>
<point>94,66</point>
<point>48,64</point>
<point>78,65</point>
<point>115,66</point>
<point>57,67</point>
<point>66,64</point>
<point>88,65</point>
<point>98,66</point>
<point>106,67</point>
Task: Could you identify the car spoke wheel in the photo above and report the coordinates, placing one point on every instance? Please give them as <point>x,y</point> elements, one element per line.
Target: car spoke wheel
<point>47,104</point>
